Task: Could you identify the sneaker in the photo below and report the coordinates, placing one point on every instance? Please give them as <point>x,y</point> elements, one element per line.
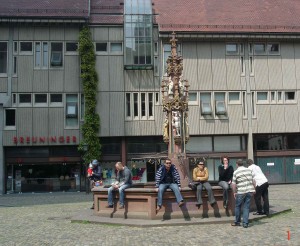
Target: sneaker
<point>121,207</point>
<point>158,208</point>
<point>258,213</point>
<point>180,204</point>
<point>245,225</point>
<point>225,204</point>
<point>109,206</point>
<point>235,224</point>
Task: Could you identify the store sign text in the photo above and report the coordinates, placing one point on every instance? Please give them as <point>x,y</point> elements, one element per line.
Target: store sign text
<point>51,139</point>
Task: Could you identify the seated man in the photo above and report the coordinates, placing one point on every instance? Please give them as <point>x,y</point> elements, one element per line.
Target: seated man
<point>166,177</point>
<point>123,181</point>
<point>200,174</point>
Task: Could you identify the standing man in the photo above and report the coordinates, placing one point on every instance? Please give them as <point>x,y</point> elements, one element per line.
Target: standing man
<point>225,178</point>
<point>95,174</point>
<point>166,177</point>
<point>243,187</point>
<point>123,181</point>
<point>261,188</point>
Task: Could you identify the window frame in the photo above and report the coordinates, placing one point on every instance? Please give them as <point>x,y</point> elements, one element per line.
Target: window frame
<point>40,104</point>
<point>10,127</point>
<point>25,52</point>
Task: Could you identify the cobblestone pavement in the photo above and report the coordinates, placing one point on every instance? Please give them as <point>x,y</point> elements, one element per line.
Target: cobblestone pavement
<point>44,219</point>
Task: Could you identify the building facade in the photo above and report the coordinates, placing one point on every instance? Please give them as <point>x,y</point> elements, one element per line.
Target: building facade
<point>242,64</point>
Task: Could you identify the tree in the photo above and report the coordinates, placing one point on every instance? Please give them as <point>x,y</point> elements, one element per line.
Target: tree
<point>91,124</point>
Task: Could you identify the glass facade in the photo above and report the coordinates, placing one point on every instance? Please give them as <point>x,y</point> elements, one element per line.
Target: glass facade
<point>138,34</point>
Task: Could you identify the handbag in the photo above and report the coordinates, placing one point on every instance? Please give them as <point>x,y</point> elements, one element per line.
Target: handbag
<point>193,185</point>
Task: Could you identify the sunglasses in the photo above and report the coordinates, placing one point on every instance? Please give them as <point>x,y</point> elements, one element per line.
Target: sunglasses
<point>200,163</point>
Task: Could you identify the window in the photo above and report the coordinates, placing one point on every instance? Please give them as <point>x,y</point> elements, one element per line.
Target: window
<point>14,99</point>
<point>25,47</point>
<point>101,47</point>
<point>41,99</point>
<point>259,48</point>
<point>56,99</point>
<point>193,98</point>
<point>15,47</point>
<point>205,99</point>
<point>273,97</point>
<point>279,97</point>
<point>41,55</point>
<point>25,99</point>
<point>139,106</point>
<point>289,96</point>
<point>232,49</point>
<point>262,97</point>
<point>72,110</point>
<point>234,97</point>
<point>3,57</point>
<point>71,47</point>
<point>15,65</point>
<point>273,48</point>
<point>10,118</point>
<point>138,34</point>
<point>220,108</point>
<point>116,48</point>
<point>56,54</point>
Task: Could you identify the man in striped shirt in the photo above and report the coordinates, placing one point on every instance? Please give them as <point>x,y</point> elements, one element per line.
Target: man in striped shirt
<point>243,186</point>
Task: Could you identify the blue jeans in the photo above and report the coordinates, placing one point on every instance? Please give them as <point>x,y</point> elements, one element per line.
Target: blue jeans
<point>225,186</point>
<point>161,190</point>
<point>111,191</point>
<point>241,199</point>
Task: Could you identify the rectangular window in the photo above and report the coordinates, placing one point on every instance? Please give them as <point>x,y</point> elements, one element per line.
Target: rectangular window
<point>45,54</point>
<point>143,105</point>
<point>273,48</point>
<point>273,97</point>
<point>244,105</point>
<point>234,97</point>
<point>3,57</point>
<point>41,99</point>
<point>25,99</point>
<point>251,65</point>
<point>150,105</point>
<point>56,54</point>
<point>220,108</point>
<point>38,54</point>
<point>15,47</point>
<point>156,98</point>
<point>128,105</point>
<point>193,98</point>
<point>15,65</point>
<point>56,99</point>
<point>232,49</point>
<point>279,97</point>
<point>205,99</point>
<point>289,97</point>
<point>101,47</point>
<point>135,105</point>
<point>14,99</point>
<point>259,49</point>
<point>262,97</point>
<point>72,110</point>
<point>26,47</point>
<point>71,47</point>
<point>10,118</point>
<point>116,48</point>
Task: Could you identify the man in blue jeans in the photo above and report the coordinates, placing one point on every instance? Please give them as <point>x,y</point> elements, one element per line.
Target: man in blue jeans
<point>243,187</point>
<point>123,181</point>
<point>166,177</point>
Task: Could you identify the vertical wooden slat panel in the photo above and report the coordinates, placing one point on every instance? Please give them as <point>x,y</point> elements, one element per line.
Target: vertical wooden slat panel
<point>8,137</point>
<point>221,127</point>
<point>261,73</point>
<point>40,81</point>
<point>235,115</point>
<point>25,73</point>
<point>116,78</point>
<point>204,79</point>
<point>103,107</point>
<point>56,121</point>
<point>57,34</point>
<point>24,122</point>
<point>3,84</point>
<point>288,66</point>
<point>131,80</point>
<point>117,116</point>
<point>193,119</point>
<point>115,34</point>
<point>190,64</point>
<point>277,122</point>
<point>56,80</point>
<point>100,34</point>
<point>25,33</point>
<point>291,116</point>
<point>263,113</point>
<point>219,66</point>
<point>103,75</point>
<point>147,80</point>
<point>275,74</point>
<point>207,127</point>
<point>41,33</point>
<point>297,63</point>
<point>233,66</point>
<point>132,128</point>
<point>72,74</point>
<point>41,122</point>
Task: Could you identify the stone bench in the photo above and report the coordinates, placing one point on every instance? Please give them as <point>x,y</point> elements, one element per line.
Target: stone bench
<point>141,201</point>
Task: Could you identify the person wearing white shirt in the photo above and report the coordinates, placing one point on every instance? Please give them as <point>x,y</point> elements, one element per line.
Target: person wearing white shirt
<point>261,188</point>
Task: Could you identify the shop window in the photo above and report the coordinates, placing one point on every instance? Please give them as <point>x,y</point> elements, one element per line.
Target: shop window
<point>3,57</point>
<point>56,54</point>
<point>10,118</point>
